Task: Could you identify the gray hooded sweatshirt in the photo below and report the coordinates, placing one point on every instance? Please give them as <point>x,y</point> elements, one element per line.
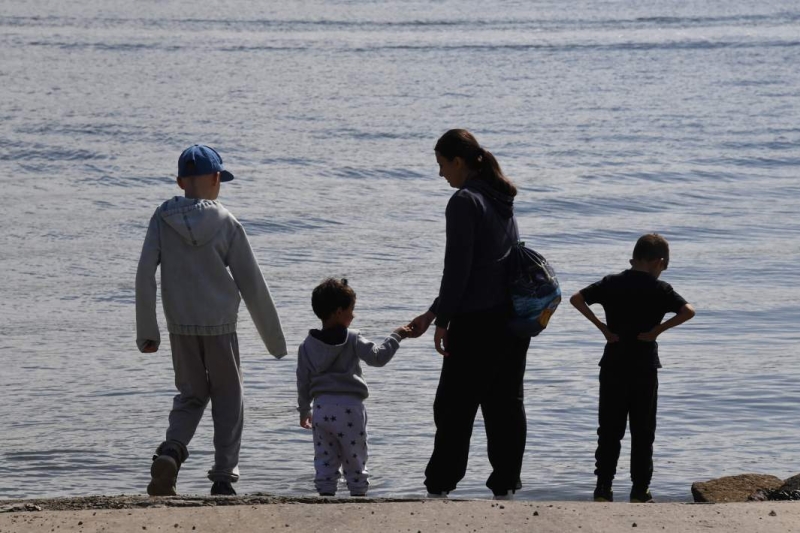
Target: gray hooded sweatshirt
<point>196,242</point>
<point>334,368</point>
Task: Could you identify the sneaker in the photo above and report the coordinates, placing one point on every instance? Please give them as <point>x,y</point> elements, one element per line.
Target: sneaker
<point>437,495</point>
<point>222,488</point>
<point>641,495</point>
<point>327,494</point>
<point>507,495</point>
<point>358,494</point>
<point>164,474</point>
<point>603,493</point>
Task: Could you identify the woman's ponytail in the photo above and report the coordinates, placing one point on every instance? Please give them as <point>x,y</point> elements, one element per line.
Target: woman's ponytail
<point>461,143</point>
<point>492,174</point>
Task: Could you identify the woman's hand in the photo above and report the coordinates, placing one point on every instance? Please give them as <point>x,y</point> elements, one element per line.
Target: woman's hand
<point>420,325</point>
<point>440,340</point>
<point>305,423</point>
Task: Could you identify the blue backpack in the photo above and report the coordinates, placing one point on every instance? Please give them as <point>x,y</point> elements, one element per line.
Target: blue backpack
<point>534,289</point>
<point>532,284</point>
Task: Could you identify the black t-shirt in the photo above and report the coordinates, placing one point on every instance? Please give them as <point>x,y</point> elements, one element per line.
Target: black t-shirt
<point>635,302</point>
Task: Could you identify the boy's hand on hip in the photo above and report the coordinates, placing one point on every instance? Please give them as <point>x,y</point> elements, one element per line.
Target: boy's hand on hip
<point>650,336</point>
<point>305,422</point>
<point>609,335</point>
<point>150,347</point>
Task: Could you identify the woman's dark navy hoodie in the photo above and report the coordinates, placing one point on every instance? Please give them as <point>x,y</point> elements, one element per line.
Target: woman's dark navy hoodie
<point>480,232</point>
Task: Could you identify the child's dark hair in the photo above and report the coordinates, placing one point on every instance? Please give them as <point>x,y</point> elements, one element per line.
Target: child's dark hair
<point>461,143</point>
<point>651,246</point>
<point>331,295</point>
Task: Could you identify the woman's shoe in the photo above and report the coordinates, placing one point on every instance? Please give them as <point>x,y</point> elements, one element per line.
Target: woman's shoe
<point>603,493</point>
<point>641,495</point>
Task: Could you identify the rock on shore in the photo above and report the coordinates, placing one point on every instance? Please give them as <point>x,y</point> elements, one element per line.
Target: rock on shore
<point>734,488</point>
<point>791,485</point>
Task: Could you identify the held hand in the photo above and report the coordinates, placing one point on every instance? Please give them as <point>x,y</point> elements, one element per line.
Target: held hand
<point>420,324</point>
<point>305,423</point>
<point>650,336</point>
<point>609,335</point>
<point>403,332</point>
<point>150,347</point>
<point>440,340</point>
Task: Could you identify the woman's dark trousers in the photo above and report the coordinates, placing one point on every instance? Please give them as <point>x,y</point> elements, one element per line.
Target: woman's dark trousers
<point>627,393</point>
<point>485,369</point>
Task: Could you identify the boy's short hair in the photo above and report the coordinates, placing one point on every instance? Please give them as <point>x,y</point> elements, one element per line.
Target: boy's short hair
<point>651,246</point>
<point>331,295</point>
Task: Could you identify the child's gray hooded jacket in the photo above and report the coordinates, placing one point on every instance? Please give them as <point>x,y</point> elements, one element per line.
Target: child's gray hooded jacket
<point>334,368</point>
<point>196,242</point>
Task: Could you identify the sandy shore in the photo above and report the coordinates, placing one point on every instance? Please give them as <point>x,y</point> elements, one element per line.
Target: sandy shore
<point>266,513</point>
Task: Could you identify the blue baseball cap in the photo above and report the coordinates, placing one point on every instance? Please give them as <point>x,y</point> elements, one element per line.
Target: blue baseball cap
<point>198,160</point>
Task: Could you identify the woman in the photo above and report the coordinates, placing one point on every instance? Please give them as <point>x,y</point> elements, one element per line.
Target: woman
<point>483,362</point>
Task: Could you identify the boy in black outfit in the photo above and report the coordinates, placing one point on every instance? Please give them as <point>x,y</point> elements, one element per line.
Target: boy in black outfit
<point>635,302</point>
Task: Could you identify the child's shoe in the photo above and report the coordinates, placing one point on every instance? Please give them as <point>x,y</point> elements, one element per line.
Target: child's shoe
<point>506,495</point>
<point>358,494</point>
<point>641,495</point>
<point>437,495</point>
<point>164,474</point>
<point>327,494</point>
<point>603,493</point>
<point>222,488</point>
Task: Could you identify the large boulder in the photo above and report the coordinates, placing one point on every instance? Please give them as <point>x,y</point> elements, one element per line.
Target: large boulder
<point>733,488</point>
<point>790,485</point>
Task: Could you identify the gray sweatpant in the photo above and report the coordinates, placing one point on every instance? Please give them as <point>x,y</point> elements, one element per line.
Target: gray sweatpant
<point>207,368</point>
<point>340,441</point>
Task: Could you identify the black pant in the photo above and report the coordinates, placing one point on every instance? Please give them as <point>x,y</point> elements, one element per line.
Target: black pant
<point>625,393</point>
<point>485,368</point>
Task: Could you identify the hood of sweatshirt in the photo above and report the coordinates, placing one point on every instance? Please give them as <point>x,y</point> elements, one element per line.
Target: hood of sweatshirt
<point>322,355</point>
<point>503,203</point>
<point>196,221</point>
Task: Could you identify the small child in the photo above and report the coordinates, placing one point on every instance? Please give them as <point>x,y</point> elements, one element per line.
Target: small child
<point>196,240</point>
<point>328,371</point>
<point>635,302</point>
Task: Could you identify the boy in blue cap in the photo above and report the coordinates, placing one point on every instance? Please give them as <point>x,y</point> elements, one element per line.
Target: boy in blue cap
<point>635,302</point>
<point>206,264</point>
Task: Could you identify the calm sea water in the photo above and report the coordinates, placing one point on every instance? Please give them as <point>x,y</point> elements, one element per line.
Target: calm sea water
<point>615,118</point>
